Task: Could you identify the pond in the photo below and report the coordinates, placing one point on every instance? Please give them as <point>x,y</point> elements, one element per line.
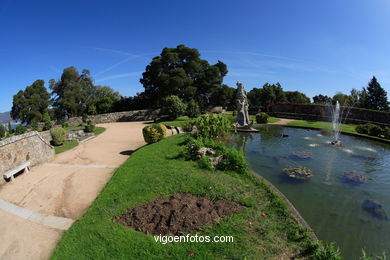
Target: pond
<point>334,206</point>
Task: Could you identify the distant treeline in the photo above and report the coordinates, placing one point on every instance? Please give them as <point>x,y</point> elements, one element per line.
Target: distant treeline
<point>176,71</point>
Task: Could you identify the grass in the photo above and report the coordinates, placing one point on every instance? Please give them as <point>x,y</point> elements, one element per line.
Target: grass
<point>99,130</point>
<point>272,119</point>
<point>158,170</point>
<point>65,147</point>
<point>180,121</point>
<point>345,128</point>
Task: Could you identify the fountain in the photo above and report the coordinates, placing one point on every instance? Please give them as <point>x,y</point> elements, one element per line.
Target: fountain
<point>337,113</point>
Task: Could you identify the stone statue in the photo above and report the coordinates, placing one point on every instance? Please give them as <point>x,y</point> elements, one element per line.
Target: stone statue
<point>242,120</point>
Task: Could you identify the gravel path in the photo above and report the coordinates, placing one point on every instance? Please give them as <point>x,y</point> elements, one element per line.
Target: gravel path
<point>36,207</point>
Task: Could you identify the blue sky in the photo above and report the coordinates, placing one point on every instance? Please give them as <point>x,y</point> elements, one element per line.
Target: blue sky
<point>306,45</point>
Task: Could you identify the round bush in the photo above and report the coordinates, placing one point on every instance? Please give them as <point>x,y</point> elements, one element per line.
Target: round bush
<point>375,130</point>
<point>161,129</point>
<point>151,135</point>
<point>262,118</point>
<point>58,135</point>
<point>173,107</point>
<point>193,109</point>
<point>386,132</point>
<point>362,129</point>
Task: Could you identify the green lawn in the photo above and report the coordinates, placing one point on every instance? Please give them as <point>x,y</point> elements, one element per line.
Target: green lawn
<point>158,170</point>
<point>180,121</point>
<point>65,147</point>
<point>345,128</point>
<point>99,130</point>
<point>272,119</point>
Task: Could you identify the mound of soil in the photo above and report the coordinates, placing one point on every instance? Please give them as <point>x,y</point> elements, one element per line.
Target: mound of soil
<point>177,214</point>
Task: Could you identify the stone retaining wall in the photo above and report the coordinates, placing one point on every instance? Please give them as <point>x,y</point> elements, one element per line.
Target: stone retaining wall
<point>323,113</point>
<point>126,116</point>
<point>30,147</point>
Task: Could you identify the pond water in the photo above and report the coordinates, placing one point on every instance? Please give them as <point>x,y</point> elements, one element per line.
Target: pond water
<point>331,206</point>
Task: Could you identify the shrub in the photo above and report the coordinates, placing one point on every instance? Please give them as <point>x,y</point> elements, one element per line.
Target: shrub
<point>151,135</point>
<point>262,118</point>
<point>233,160</point>
<point>34,124</point>
<point>234,113</point>
<point>2,131</point>
<point>89,127</point>
<point>65,124</point>
<point>58,135</point>
<point>161,129</point>
<point>173,107</point>
<point>362,129</point>
<point>84,118</point>
<point>47,121</point>
<point>19,130</point>
<point>188,126</point>
<point>213,126</point>
<point>193,109</point>
<point>386,132</point>
<point>375,130</point>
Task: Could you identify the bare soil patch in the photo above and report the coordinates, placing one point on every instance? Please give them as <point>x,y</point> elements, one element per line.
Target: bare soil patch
<point>177,214</point>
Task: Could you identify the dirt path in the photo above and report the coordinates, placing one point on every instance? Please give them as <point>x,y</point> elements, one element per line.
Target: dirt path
<point>282,121</point>
<point>65,188</point>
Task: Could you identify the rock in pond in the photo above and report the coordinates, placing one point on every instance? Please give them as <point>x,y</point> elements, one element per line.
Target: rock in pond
<point>299,173</point>
<point>353,177</point>
<point>301,156</point>
<point>375,209</point>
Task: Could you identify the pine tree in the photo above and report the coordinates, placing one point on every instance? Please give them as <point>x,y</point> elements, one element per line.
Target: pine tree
<point>377,96</point>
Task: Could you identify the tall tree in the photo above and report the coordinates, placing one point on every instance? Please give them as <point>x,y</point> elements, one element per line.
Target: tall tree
<point>222,96</point>
<point>30,104</point>
<point>71,92</point>
<point>363,99</point>
<point>297,97</point>
<point>377,96</point>
<point>101,99</point>
<point>343,99</point>
<point>354,97</point>
<point>180,71</point>
<point>267,95</point>
<point>322,99</point>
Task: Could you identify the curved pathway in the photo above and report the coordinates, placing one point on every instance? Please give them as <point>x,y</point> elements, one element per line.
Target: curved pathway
<point>36,207</point>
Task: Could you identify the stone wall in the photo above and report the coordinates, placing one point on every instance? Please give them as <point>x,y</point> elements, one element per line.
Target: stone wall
<point>323,113</point>
<point>27,147</point>
<point>126,116</point>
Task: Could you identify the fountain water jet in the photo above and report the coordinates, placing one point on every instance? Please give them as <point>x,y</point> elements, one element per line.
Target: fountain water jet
<point>337,113</point>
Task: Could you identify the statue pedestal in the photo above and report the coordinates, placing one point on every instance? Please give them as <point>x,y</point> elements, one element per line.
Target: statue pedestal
<point>247,129</point>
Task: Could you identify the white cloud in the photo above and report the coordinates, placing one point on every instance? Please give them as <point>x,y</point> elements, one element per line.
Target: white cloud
<point>117,76</point>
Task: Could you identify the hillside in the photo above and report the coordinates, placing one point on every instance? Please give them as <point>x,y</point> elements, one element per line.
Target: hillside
<point>5,117</point>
